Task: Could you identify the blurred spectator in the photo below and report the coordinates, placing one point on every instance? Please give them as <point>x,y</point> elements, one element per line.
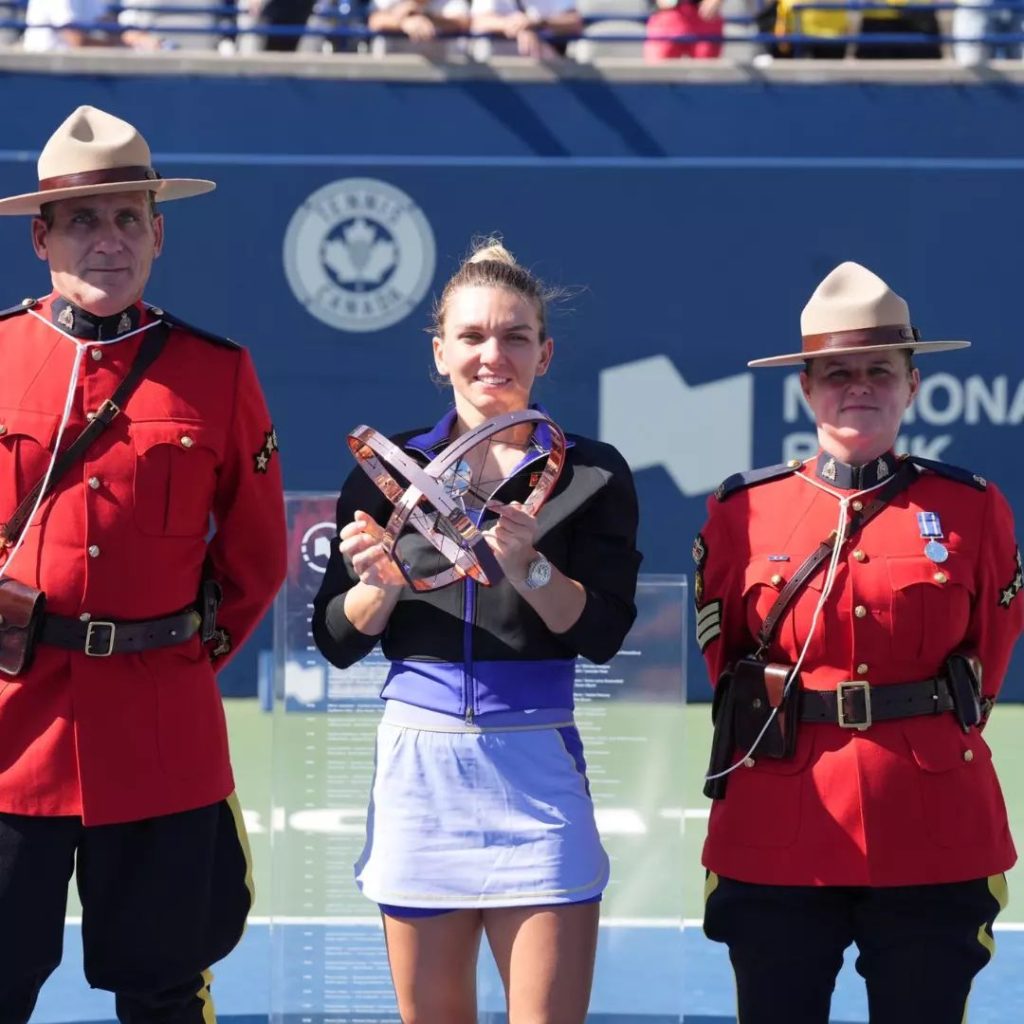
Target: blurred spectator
<point>893,19</point>
<point>515,27</point>
<point>191,26</point>
<point>278,13</point>
<point>685,18</point>
<point>416,24</point>
<point>791,17</point>
<point>47,28</point>
<point>979,18</point>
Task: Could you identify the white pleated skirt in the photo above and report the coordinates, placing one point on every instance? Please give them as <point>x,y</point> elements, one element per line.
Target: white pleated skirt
<point>492,815</point>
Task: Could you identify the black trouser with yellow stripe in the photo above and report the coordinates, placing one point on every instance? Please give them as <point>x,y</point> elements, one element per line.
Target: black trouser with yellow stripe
<point>162,899</point>
<point>919,946</point>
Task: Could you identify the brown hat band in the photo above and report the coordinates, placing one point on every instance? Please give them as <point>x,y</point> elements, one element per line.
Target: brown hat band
<point>107,176</point>
<point>897,335</point>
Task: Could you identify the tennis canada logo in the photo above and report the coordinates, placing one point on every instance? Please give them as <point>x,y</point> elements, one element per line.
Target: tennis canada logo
<point>359,254</point>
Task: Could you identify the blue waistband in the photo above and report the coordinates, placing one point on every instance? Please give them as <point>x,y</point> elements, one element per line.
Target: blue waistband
<point>490,686</point>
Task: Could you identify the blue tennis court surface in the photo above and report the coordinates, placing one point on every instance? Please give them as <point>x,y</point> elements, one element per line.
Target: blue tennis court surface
<point>657,964</point>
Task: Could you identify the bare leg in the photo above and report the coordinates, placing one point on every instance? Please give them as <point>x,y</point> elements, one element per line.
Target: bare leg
<point>545,956</point>
<point>433,966</point>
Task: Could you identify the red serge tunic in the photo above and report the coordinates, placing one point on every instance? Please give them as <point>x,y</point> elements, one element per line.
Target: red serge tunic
<point>126,536</point>
<point>904,802</point>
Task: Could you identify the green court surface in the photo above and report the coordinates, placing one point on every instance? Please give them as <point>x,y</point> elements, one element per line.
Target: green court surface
<point>652,821</point>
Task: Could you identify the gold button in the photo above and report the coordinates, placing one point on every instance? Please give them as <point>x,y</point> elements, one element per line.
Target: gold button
<point>749,762</point>
<point>856,505</point>
<point>3,429</point>
<point>94,551</point>
<point>862,669</point>
<point>793,463</point>
<point>940,577</point>
<point>156,311</point>
<point>776,579</point>
<point>84,617</point>
<point>97,354</point>
<point>28,302</point>
<point>90,416</point>
<point>968,755</point>
<point>859,555</point>
<point>94,482</point>
<point>186,441</point>
<point>860,611</point>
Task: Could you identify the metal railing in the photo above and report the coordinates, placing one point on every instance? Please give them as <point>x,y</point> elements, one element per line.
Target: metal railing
<point>337,24</point>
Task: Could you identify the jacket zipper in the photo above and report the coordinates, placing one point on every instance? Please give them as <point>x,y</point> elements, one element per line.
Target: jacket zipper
<point>469,607</point>
<point>468,612</point>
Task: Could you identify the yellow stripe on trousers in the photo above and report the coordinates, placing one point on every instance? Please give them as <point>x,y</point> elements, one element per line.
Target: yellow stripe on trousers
<point>206,998</point>
<point>1000,891</point>
<point>243,840</point>
<point>710,885</point>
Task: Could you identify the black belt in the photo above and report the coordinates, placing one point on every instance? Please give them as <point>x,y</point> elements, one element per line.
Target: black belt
<point>856,704</point>
<point>99,638</point>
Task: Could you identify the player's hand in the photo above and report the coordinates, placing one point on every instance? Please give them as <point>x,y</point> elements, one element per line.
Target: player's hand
<point>512,538</point>
<point>360,543</point>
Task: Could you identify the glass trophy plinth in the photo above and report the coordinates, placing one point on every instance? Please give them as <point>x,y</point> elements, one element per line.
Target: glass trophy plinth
<point>329,965</point>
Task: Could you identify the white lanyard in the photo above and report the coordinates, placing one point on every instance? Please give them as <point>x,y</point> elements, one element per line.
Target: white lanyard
<point>82,348</point>
<point>826,590</point>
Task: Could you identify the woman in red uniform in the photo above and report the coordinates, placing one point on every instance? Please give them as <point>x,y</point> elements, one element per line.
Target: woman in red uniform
<point>865,809</point>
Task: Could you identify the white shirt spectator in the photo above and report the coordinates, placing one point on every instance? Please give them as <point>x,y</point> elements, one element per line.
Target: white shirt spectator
<point>537,11</point>
<point>440,49</point>
<point>535,8</point>
<point>58,13</point>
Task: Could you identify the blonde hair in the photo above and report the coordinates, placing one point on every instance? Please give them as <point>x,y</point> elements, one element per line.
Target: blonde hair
<point>491,265</point>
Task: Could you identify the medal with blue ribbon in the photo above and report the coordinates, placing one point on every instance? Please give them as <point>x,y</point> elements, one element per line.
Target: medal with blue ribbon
<point>931,529</point>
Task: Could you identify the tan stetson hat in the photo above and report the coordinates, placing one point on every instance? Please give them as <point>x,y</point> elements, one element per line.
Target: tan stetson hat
<point>853,310</point>
<point>93,152</point>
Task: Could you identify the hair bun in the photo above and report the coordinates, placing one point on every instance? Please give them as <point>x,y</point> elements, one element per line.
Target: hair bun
<point>491,250</point>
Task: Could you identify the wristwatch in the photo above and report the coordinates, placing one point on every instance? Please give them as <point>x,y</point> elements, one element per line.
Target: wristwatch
<point>538,573</point>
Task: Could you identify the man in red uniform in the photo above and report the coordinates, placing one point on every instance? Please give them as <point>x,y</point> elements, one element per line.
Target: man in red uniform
<point>113,749</point>
<point>884,825</point>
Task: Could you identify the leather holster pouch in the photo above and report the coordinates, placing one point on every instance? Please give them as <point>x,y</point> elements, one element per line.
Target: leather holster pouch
<point>210,596</point>
<point>723,739</point>
<point>21,617</point>
<point>963,673</point>
<point>757,689</point>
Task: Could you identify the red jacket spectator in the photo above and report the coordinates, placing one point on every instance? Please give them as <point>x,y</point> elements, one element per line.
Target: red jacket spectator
<point>687,18</point>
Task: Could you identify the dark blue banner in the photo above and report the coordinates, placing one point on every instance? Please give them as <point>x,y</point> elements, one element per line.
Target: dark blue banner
<point>689,224</point>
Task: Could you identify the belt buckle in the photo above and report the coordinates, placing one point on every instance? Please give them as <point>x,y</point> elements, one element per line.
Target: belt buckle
<point>110,407</point>
<point>841,691</point>
<point>100,624</point>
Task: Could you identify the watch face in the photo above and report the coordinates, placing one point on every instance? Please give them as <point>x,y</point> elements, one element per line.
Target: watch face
<point>539,573</point>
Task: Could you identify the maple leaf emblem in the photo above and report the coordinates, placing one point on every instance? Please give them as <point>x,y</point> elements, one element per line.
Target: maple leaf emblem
<point>360,257</point>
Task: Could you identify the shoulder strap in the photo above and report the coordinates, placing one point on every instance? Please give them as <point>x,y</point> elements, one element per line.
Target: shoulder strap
<point>152,345</point>
<point>740,481</point>
<point>21,307</point>
<point>963,476</point>
<point>174,321</point>
<point>900,482</point>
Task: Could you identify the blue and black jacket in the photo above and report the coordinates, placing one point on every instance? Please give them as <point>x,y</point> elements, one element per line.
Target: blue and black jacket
<point>462,649</point>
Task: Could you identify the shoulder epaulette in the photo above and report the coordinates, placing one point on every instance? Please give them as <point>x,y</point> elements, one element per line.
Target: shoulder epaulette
<point>753,477</point>
<point>174,321</point>
<point>21,307</point>
<point>963,476</point>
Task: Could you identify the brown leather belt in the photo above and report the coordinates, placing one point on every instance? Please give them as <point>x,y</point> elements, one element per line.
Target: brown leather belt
<point>856,704</point>
<point>99,638</point>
